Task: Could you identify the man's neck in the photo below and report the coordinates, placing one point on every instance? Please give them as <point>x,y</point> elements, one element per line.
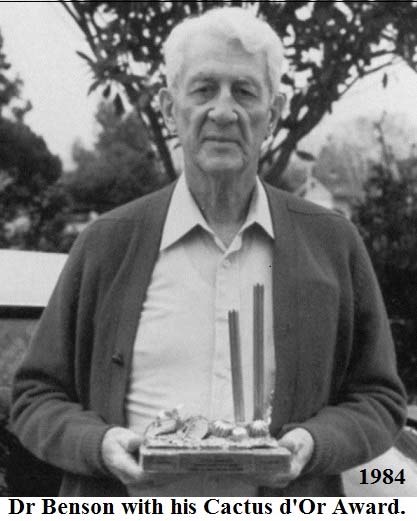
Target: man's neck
<point>224,202</point>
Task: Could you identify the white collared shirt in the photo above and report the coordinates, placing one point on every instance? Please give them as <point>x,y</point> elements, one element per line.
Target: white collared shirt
<point>181,353</point>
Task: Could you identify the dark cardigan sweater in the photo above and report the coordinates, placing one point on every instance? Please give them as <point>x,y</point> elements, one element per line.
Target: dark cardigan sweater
<point>336,369</point>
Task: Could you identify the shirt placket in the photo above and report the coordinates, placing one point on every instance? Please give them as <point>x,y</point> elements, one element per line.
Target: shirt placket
<point>227,297</point>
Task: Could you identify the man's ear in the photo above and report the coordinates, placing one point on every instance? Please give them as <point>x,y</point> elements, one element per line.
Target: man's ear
<point>166,106</point>
<point>277,106</point>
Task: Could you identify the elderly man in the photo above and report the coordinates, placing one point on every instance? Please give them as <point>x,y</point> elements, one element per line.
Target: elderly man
<point>138,320</point>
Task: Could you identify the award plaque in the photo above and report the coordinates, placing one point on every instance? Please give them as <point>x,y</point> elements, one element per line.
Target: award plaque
<point>198,445</point>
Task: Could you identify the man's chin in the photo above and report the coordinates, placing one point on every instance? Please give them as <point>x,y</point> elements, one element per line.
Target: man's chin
<point>223,167</point>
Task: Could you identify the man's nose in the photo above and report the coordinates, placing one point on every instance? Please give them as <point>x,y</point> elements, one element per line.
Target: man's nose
<point>223,112</point>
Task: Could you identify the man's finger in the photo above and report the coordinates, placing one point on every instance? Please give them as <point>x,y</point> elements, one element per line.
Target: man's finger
<point>118,449</point>
<point>300,442</point>
<point>132,446</point>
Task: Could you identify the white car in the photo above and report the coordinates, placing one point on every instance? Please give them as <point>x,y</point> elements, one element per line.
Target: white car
<point>26,282</point>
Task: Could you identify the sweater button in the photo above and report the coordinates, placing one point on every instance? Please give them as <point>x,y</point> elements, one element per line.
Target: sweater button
<point>117,358</point>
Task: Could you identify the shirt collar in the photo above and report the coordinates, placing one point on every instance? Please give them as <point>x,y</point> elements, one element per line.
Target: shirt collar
<point>184,214</point>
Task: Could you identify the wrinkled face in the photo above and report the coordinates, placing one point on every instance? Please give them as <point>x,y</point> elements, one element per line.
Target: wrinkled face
<point>221,108</point>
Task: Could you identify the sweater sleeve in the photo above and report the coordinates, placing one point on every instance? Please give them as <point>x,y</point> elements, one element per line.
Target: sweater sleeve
<point>370,408</point>
<point>47,414</point>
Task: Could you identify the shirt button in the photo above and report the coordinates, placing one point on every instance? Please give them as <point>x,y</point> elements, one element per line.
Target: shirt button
<point>227,263</point>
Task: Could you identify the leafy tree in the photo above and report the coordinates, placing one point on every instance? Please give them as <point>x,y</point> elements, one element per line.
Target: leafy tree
<point>345,161</point>
<point>387,220</point>
<point>329,45</point>
<point>10,102</point>
<point>31,202</point>
<point>122,165</point>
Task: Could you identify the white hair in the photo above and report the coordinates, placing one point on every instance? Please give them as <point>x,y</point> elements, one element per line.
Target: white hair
<point>254,35</point>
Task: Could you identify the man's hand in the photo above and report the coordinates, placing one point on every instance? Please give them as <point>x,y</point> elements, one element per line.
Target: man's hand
<point>301,445</point>
<point>120,450</point>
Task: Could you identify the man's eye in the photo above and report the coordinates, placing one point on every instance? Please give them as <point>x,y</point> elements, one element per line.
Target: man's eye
<point>203,89</point>
<point>247,93</point>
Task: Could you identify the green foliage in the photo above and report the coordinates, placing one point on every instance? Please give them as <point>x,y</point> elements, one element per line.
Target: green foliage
<point>329,46</point>
<point>387,220</point>
<point>32,202</point>
<point>121,167</point>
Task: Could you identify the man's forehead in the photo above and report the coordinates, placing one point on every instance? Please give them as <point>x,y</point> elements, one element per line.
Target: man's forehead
<point>207,72</point>
<point>207,57</point>
<point>217,45</point>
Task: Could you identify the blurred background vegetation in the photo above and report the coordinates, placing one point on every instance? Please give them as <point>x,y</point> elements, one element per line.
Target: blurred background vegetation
<point>367,170</point>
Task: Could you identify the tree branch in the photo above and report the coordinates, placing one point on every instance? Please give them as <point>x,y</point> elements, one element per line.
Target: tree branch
<point>69,11</point>
<point>80,19</point>
<point>161,143</point>
<point>369,71</point>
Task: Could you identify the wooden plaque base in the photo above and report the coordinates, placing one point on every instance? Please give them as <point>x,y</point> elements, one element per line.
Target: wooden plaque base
<point>209,460</point>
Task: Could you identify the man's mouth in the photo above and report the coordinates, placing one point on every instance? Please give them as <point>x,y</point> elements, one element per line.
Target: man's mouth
<point>221,139</point>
